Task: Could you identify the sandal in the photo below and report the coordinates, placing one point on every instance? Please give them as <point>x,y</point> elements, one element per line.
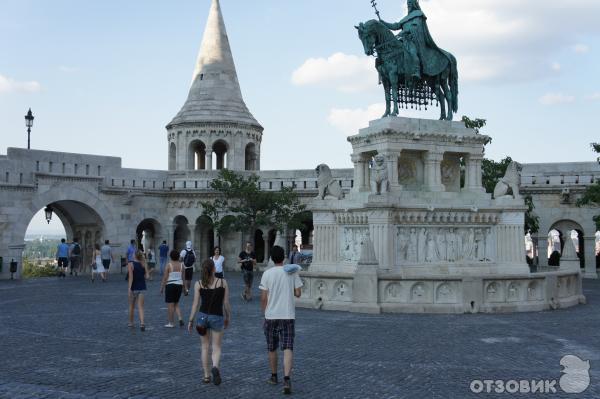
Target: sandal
<point>206,380</point>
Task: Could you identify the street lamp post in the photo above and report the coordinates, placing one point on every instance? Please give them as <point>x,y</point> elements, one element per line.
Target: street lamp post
<point>29,123</point>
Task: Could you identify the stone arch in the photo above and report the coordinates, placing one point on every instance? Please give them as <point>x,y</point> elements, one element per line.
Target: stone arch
<point>78,209</point>
<point>181,232</point>
<point>172,156</point>
<point>250,157</point>
<point>564,228</point>
<point>148,233</point>
<point>220,149</point>
<point>197,155</point>
<point>204,236</point>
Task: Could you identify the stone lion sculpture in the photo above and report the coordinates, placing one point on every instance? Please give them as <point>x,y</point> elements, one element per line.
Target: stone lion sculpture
<point>508,186</point>
<point>379,176</point>
<point>327,184</point>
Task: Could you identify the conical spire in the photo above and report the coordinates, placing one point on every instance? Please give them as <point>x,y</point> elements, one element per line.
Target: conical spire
<point>215,95</point>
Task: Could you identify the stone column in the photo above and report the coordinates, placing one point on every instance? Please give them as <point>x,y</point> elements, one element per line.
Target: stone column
<point>473,172</point>
<point>192,228</point>
<point>358,173</point>
<point>589,245</point>
<point>432,168</point>
<point>391,159</point>
<point>208,158</point>
<point>542,240</point>
<point>265,238</point>
<point>16,253</point>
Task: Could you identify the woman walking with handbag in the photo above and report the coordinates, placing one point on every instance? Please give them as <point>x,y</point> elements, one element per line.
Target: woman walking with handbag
<point>211,297</point>
<point>97,265</point>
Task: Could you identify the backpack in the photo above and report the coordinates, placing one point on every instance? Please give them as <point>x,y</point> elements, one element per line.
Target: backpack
<point>76,250</point>
<point>189,259</point>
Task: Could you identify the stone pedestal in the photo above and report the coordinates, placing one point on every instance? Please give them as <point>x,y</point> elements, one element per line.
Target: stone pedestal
<point>436,246</point>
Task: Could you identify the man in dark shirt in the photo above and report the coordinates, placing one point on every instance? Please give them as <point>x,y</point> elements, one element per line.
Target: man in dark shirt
<point>247,261</point>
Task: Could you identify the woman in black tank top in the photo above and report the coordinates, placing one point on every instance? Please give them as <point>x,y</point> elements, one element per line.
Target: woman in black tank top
<point>211,305</point>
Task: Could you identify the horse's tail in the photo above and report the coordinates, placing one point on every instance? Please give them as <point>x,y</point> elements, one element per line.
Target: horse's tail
<point>454,82</point>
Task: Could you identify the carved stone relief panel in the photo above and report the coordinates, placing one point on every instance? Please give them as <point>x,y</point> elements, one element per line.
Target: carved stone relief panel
<point>513,291</point>
<point>443,245</point>
<point>446,292</point>
<point>494,292</point>
<point>342,291</point>
<point>450,170</point>
<point>351,240</point>
<point>534,291</point>
<point>421,292</point>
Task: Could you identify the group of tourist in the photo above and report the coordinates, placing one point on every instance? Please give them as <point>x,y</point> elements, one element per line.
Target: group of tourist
<point>68,255</point>
<point>211,312</point>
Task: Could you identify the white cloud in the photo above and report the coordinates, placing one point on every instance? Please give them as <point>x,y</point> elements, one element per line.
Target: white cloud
<point>556,67</point>
<point>556,99</point>
<point>346,73</point>
<point>8,85</point>
<point>581,48</point>
<point>593,97</point>
<point>509,40</point>
<point>349,121</point>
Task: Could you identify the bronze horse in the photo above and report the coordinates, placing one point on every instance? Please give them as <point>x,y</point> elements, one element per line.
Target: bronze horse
<point>441,77</point>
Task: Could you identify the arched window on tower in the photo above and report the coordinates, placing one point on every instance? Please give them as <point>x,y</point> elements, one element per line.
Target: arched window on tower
<point>220,155</point>
<point>172,156</point>
<point>251,157</point>
<point>197,155</point>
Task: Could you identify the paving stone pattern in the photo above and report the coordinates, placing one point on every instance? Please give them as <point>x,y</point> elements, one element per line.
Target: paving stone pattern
<point>68,339</point>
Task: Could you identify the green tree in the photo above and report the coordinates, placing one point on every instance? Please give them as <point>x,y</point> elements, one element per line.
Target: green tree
<point>591,196</point>
<point>474,124</point>
<point>240,205</point>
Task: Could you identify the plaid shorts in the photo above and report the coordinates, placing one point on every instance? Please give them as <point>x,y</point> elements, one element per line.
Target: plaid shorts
<point>279,333</point>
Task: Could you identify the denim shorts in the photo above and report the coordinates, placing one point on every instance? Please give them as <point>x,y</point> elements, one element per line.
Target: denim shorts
<point>215,322</point>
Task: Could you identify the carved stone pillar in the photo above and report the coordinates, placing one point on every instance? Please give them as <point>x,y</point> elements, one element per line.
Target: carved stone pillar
<point>192,238</point>
<point>391,159</point>
<point>361,182</point>
<point>265,238</point>
<point>433,174</point>
<point>473,172</point>
<point>589,246</point>
<point>208,159</point>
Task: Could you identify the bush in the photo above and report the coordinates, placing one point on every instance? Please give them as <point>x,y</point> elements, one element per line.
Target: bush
<point>30,270</point>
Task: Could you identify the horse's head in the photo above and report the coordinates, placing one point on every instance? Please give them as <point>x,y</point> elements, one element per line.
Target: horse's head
<point>367,36</point>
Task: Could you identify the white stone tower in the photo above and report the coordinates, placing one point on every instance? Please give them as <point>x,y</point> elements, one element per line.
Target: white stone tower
<point>214,129</point>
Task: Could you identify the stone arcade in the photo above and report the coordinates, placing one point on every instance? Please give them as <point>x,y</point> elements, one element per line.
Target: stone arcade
<point>430,243</point>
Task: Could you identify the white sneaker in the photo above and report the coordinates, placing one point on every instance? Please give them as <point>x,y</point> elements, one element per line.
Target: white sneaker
<point>169,325</point>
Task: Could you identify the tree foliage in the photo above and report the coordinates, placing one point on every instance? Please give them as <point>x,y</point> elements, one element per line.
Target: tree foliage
<point>591,196</point>
<point>242,206</point>
<point>493,171</point>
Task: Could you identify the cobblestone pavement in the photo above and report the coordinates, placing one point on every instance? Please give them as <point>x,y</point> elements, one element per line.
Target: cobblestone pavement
<point>69,339</point>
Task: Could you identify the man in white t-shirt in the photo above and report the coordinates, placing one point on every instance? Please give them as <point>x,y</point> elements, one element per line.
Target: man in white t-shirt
<point>278,289</point>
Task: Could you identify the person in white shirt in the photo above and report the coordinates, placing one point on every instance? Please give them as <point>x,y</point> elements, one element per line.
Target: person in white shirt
<point>218,260</point>
<point>278,289</point>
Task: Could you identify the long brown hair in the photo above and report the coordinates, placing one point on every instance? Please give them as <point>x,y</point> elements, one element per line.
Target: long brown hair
<point>139,255</point>
<point>208,270</point>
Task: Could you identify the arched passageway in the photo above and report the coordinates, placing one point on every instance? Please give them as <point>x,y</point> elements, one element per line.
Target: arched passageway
<point>148,234</point>
<point>204,236</point>
<point>80,222</point>
<point>181,232</point>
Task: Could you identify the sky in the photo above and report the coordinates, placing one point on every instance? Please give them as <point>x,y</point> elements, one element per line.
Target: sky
<point>106,77</point>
